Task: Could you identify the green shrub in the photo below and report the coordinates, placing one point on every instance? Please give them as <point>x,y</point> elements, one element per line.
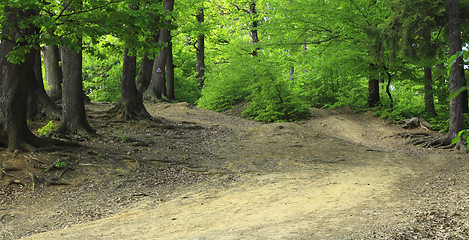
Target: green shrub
<point>276,101</point>
<point>270,94</point>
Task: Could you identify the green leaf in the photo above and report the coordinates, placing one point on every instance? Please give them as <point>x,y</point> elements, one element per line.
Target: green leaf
<point>455,140</point>
<point>453,59</point>
<point>454,94</point>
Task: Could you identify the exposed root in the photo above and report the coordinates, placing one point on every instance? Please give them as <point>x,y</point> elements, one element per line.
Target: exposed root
<point>11,182</point>
<point>427,140</point>
<point>128,112</point>
<point>416,123</point>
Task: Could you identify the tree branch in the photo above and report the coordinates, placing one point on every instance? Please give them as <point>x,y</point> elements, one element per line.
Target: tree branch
<point>240,9</point>
<point>89,10</point>
<point>63,10</point>
<point>361,12</point>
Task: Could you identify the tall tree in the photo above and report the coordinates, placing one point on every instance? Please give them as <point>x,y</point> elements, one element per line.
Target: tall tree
<point>130,105</point>
<point>200,64</point>
<point>170,73</point>
<point>74,118</point>
<point>73,103</point>
<point>373,87</point>
<point>16,76</point>
<point>158,82</point>
<point>455,78</point>
<point>255,24</point>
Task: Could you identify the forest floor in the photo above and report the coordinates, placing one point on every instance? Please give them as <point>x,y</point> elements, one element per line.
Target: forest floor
<point>207,175</point>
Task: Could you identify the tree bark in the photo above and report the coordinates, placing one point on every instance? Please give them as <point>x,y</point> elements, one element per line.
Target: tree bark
<point>373,93</point>
<point>254,33</point>
<point>200,64</point>
<point>388,86</point>
<point>15,79</point>
<point>455,78</point>
<point>170,73</point>
<point>73,103</point>
<point>40,104</point>
<point>373,89</point>
<point>428,82</point>
<point>53,71</point>
<point>144,74</point>
<point>158,73</point>
<point>130,106</point>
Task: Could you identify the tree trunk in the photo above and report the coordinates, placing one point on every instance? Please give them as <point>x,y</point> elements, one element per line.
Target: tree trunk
<point>158,75</point>
<point>373,88</point>
<point>15,79</point>
<point>388,87</point>
<point>455,78</point>
<point>73,102</point>
<point>373,93</point>
<point>144,74</point>
<point>200,65</point>
<point>130,105</point>
<point>254,34</point>
<point>170,73</point>
<point>53,71</point>
<point>40,104</point>
<point>428,82</point>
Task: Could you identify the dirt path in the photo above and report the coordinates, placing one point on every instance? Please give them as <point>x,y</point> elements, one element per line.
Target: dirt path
<point>339,175</point>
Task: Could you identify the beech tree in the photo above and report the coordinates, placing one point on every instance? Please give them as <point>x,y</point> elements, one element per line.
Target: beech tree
<point>130,105</point>
<point>73,103</point>
<point>158,79</point>
<point>17,75</point>
<point>200,65</point>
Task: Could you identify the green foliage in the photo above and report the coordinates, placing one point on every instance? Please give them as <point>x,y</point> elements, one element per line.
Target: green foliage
<point>259,81</point>
<point>276,102</point>
<point>47,129</point>
<point>102,70</point>
<point>60,164</point>
<point>228,84</point>
<point>462,135</point>
<point>273,98</point>
<point>186,89</point>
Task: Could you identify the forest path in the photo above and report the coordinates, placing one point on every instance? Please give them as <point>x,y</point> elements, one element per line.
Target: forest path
<point>337,175</point>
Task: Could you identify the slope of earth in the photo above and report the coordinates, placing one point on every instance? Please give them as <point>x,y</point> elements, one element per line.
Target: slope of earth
<point>206,175</point>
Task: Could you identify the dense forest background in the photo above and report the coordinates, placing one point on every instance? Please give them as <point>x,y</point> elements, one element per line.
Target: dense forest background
<point>275,58</point>
<point>307,54</point>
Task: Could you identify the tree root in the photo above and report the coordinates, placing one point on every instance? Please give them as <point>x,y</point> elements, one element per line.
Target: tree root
<point>427,140</point>
<point>416,123</point>
<point>128,112</point>
<point>11,182</point>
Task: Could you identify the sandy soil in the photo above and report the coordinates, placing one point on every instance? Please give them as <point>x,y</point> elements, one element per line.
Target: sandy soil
<point>206,175</point>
